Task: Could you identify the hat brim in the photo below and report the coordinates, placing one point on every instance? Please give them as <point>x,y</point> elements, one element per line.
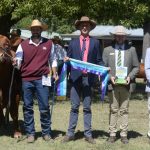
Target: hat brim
<point>78,23</point>
<point>119,33</point>
<point>44,27</point>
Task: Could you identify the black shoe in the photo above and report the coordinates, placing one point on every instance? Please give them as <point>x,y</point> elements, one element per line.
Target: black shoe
<point>124,140</point>
<point>111,139</point>
<point>90,140</point>
<point>68,138</point>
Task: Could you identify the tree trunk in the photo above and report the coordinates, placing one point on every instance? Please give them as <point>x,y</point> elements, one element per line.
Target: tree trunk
<point>146,38</point>
<point>5,24</point>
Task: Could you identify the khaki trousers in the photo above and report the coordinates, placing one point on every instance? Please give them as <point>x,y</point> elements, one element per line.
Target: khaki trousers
<point>119,104</point>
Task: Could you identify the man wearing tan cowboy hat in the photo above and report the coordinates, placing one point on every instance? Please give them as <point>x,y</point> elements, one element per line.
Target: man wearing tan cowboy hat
<point>87,49</point>
<point>34,57</point>
<point>122,59</point>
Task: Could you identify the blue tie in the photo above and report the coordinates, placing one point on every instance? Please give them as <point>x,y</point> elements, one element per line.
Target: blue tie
<point>83,48</point>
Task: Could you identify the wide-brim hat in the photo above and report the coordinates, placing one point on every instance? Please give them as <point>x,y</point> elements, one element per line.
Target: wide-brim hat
<point>120,30</point>
<point>85,19</point>
<point>37,23</point>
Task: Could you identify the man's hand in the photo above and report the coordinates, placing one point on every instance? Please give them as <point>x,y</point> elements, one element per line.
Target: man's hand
<point>113,79</point>
<point>55,76</point>
<point>14,61</point>
<point>128,80</point>
<point>66,59</point>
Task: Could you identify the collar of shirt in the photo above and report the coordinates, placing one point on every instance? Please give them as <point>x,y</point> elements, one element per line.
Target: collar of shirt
<point>119,46</point>
<point>82,37</point>
<point>31,42</point>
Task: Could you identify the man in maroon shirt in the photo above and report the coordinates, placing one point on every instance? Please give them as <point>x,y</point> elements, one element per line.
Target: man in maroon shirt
<point>35,56</point>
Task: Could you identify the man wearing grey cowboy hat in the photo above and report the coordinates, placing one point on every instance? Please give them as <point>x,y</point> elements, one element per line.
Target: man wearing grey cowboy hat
<point>34,57</point>
<point>120,57</point>
<point>87,49</point>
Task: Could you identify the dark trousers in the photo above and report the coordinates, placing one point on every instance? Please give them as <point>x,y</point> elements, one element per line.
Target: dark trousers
<point>80,88</point>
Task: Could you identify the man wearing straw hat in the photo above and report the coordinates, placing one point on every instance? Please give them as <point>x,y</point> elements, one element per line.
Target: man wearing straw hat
<point>122,59</point>
<point>34,57</point>
<point>87,49</point>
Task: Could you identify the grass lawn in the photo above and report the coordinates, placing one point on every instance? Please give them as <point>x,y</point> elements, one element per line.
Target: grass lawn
<point>138,126</point>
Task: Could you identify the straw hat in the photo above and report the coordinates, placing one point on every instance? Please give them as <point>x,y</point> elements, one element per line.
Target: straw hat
<point>85,19</point>
<point>120,30</point>
<point>37,23</point>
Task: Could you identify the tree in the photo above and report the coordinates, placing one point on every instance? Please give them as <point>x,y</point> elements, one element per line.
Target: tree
<point>61,14</point>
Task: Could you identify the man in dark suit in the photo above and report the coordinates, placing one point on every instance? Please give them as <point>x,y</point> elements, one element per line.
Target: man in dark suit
<point>87,49</point>
<point>120,56</point>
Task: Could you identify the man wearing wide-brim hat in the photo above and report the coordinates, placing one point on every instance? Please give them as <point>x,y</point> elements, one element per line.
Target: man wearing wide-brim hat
<point>88,49</point>
<point>120,57</point>
<point>34,57</point>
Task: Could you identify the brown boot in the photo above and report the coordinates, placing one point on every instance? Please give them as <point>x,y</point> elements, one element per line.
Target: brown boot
<point>111,139</point>
<point>68,138</point>
<point>47,138</point>
<point>124,140</point>
<point>90,140</point>
<point>30,139</point>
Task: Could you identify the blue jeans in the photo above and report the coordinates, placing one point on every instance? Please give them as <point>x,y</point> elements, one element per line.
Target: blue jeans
<point>30,89</point>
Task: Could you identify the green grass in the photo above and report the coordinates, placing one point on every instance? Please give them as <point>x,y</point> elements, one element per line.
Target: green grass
<point>138,126</point>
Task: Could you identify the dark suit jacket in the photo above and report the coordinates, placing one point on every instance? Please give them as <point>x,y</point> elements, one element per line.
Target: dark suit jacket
<point>94,56</point>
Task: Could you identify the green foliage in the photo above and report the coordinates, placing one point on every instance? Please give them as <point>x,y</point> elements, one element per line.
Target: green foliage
<point>131,13</point>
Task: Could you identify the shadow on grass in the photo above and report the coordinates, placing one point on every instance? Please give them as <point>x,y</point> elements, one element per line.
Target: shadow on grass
<point>55,134</point>
<point>131,135</point>
<point>95,133</point>
<point>101,133</point>
<point>134,134</point>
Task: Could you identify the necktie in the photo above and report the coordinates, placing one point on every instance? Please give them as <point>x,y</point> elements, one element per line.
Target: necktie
<point>119,58</point>
<point>83,48</point>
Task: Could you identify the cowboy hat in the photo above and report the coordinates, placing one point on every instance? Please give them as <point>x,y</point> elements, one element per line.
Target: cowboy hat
<point>85,19</point>
<point>119,30</point>
<point>37,23</point>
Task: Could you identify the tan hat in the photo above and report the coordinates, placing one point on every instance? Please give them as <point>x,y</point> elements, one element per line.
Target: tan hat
<point>120,30</point>
<point>37,23</point>
<point>85,19</point>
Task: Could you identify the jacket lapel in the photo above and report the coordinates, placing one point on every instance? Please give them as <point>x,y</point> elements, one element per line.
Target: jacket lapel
<point>90,47</point>
<point>78,50</point>
<point>112,56</point>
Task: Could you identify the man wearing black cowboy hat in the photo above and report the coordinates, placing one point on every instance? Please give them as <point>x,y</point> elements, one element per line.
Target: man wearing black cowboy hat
<point>87,49</point>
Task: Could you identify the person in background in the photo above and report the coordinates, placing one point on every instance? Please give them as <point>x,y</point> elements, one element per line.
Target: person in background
<point>120,56</point>
<point>60,52</point>
<point>147,72</point>
<point>15,39</point>
<point>87,49</point>
<point>34,57</point>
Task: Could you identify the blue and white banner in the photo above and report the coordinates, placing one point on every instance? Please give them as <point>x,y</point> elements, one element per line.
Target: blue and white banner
<point>85,67</point>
